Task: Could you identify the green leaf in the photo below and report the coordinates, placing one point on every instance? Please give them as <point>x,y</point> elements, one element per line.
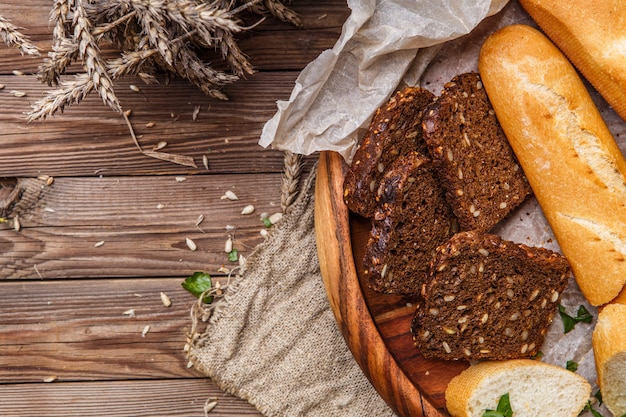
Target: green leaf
<point>233,255</point>
<point>197,284</point>
<point>537,356</point>
<point>267,222</point>
<point>598,396</point>
<point>571,366</point>
<point>582,315</point>
<point>589,408</point>
<point>503,410</point>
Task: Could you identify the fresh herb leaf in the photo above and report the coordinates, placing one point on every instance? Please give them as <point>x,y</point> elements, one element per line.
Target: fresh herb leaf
<point>267,222</point>
<point>598,396</point>
<point>503,410</point>
<point>582,315</point>
<point>537,356</point>
<point>571,366</point>
<point>593,412</point>
<point>197,284</point>
<point>233,255</point>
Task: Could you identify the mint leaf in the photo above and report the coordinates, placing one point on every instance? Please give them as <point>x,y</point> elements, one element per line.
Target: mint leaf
<point>503,409</point>
<point>233,255</point>
<point>571,366</point>
<point>197,284</point>
<point>267,222</point>
<point>589,408</point>
<point>598,396</point>
<point>582,315</point>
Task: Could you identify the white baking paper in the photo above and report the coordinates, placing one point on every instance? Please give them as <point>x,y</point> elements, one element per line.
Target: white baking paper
<point>335,96</point>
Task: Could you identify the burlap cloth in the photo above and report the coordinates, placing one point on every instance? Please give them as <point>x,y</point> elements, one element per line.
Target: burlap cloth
<point>272,339</point>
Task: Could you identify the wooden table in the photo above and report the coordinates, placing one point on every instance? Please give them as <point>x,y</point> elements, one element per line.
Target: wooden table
<point>103,227</point>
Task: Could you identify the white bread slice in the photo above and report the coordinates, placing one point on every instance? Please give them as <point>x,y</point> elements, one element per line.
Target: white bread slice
<point>536,389</point>
<point>609,347</point>
<point>591,34</point>
<point>568,154</point>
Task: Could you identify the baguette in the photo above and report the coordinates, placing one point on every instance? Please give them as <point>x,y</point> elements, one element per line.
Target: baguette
<point>574,166</point>
<point>590,34</point>
<point>535,389</point>
<point>609,347</point>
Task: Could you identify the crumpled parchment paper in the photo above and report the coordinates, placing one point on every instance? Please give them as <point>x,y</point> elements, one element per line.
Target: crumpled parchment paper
<point>382,41</point>
<point>386,44</point>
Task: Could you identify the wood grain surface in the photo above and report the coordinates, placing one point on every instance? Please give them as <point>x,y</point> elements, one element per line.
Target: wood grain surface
<point>106,235</point>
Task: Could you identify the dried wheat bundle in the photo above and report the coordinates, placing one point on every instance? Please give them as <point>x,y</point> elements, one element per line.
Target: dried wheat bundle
<point>14,38</point>
<point>152,37</point>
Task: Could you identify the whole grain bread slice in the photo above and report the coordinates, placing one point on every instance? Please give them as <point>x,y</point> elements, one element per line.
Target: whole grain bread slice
<point>488,298</point>
<point>412,219</point>
<point>475,162</point>
<point>395,129</point>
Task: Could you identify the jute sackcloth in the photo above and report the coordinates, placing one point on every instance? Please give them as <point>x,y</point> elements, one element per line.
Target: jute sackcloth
<point>273,340</point>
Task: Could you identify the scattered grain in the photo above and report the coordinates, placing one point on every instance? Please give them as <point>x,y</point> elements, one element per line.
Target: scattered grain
<point>145,331</point>
<point>130,313</point>
<point>205,162</point>
<point>98,244</point>
<point>50,379</point>
<point>180,179</point>
<point>196,112</point>
<point>150,124</point>
<point>228,246</point>
<point>134,88</point>
<point>229,195</point>
<point>191,244</point>
<point>249,209</point>
<point>16,93</point>
<point>16,223</point>
<point>275,218</point>
<point>18,73</point>
<point>159,145</point>
<point>165,299</point>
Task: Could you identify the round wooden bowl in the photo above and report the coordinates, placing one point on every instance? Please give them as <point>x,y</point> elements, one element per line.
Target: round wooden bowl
<point>376,327</point>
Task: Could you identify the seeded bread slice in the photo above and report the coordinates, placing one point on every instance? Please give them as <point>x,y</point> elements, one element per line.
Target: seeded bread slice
<point>395,129</point>
<point>412,219</point>
<point>476,164</point>
<point>488,298</point>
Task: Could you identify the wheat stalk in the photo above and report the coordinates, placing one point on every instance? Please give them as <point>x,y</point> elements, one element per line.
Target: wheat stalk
<point>290,179</point>
<point>153,37</point>
<point>14,38</point>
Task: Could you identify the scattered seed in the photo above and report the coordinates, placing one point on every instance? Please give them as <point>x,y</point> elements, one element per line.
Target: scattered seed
<point>228,246</point>
<point>18,72</point>
<point>205,162</point>
<point>16,224</point>
<point>249,209</point>
<point>159,145</point>
<point>159,206</point>
<point>196,112</point>
<point>223,270</point>
<point>180,179</point>
<point>264,232</point>
<point>98,244</point>
<point>145,331</point>
<point>229,195</point>
<point>130,313</point>
<point>134,88</point>
<point>275,218</point>
<point>150,124</point>
<point>1,86</point>
<point>50,378</point>
<point>16,93</point>
<point>209,406</point>
<point>128,112</point>
<point>165,299</point>
<point>229,227</point>
<point>191,244</point>
<point>49,210</point>
<point>199,220</point>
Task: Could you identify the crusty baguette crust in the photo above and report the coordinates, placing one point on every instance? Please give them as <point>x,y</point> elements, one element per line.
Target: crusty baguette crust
<point>461,393</point>
<point>609,340</point>
<point>570,158</point>
<point>590,34</point>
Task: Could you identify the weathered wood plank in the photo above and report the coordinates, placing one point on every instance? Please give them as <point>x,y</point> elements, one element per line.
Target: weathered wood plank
<point>166,398</point>
<point>76,330</point>
<point>143,222</point>
<point>90,139</point>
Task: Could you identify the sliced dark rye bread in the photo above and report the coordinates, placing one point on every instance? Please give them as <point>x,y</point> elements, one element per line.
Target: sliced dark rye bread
<point>412,219</point>
<point>488,298</point>
<point>475,162</point>
<point>395,129</point>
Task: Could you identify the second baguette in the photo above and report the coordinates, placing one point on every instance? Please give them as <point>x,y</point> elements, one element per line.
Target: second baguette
<point>570,158</point>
